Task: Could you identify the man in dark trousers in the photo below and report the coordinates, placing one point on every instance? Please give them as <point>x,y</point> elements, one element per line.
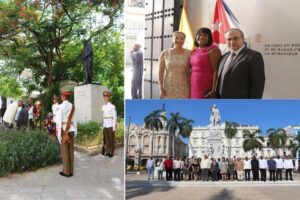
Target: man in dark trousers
<point>241,73</point>
<point>255,168</point>
<point>21,116</point>
<point>169,167</point>
<point>66,128</point>
<point>109,124</point>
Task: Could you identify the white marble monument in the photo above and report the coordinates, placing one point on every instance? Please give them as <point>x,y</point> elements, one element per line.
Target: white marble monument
<point>88,102</point>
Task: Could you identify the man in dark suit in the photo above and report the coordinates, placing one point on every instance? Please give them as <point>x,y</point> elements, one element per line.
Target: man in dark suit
<point>241,72</point>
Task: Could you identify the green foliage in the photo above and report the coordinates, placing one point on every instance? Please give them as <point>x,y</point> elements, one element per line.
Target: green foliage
<point>277,137</point>
<point>26,151</point>
<point>119,137</point>
<point>46,37</point>
<point>90,134</point>
<point>252,140</point>
<point>9,87</point>
<point>90,129</point>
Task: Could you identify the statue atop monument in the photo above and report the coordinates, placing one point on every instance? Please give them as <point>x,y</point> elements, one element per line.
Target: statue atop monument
<point>88,61</point>
<point>215,115</point>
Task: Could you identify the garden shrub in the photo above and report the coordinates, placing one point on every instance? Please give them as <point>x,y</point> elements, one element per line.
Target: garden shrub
<point>27,150</point>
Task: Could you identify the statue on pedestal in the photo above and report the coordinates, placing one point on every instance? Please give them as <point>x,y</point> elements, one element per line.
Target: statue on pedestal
<point>88,61</point>
<point>215,115</point>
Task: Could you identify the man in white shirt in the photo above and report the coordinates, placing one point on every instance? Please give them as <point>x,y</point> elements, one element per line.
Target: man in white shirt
<point>279,167</point>
<point>150,168</point>
<point>66,127</point>
<point>177,166</point>
<point>288,166</point>
<point>109,124</point>
<point>205,165</point>
<point>247,168</point>
<point>263,165</point>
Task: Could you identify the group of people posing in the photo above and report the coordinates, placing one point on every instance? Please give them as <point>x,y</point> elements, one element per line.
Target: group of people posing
<point>205,73</point>
<point>221,169</point>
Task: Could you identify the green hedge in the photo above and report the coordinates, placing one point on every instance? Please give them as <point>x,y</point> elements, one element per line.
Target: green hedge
<point>91,133</point>
<point>26,151</point>
<point>120,131</point>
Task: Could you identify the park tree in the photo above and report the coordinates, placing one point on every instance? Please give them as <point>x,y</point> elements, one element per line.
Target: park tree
<point>46,36</point>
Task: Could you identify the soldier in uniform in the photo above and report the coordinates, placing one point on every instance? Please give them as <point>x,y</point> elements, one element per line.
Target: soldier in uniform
<point>109,124</point>
<point>66,127</point>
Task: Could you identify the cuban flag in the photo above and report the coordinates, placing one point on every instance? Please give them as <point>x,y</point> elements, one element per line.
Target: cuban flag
<point>223,20</point>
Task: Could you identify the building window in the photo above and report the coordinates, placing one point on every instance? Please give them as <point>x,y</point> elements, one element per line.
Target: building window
<point>146,147</point>
<point>194,141</point>
<point>237,141</point>
<point>165,145</point>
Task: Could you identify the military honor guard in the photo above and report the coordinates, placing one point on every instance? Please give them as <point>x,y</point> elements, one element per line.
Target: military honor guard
<point>66,127</point>
<point>109,124</point>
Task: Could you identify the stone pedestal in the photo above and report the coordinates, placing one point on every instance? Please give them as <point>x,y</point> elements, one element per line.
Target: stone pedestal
<point>88,102</point>
<point>215,148</point>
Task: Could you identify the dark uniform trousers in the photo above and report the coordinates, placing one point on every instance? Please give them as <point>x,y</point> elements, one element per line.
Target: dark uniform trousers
<point>67,154</point>
<point>109,140</point>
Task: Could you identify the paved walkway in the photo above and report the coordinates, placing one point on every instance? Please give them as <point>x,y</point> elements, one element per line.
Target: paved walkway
<point>137,187</point>
<point>95,177</point>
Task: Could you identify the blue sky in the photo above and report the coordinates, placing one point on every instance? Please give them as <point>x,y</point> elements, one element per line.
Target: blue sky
<point>264,113</point>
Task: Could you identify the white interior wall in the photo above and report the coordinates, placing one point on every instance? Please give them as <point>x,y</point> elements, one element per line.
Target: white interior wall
<point>276,21</point>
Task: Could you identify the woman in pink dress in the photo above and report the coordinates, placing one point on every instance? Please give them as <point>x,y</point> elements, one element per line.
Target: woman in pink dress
<point>204,62</point>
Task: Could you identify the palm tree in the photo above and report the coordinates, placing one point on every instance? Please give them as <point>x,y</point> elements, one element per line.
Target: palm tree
<point>174,124</point>
<point>252,140</point>
<point>187,128</point>
<point>277,138</point>
<point>294,147</point>
<point>154,121</point>
<point>230,132</point>
<point>181,124</point>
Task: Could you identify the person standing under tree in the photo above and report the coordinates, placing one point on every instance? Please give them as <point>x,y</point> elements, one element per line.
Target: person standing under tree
<point>66,127</point>
<point>109,124</point>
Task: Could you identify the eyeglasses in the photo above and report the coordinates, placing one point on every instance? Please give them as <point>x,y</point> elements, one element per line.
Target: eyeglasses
<point>106,95</point>
<point>233,39</point>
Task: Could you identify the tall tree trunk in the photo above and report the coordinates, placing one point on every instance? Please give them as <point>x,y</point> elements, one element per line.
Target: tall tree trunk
<point>49,69</point>
<point>151,153</point>
<point>173,145</point>
<point>229,153</point>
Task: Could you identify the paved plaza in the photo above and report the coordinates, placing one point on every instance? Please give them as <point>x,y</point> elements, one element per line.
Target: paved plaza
<point>138,187</point>
<point>95,177</point>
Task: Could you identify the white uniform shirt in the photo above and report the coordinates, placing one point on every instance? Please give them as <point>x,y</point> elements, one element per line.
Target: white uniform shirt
<point>62,116</point>
<point>30,112</point>
<point>247,164</point>
<point>288,164</point>
<point>109,116</point>
<point>279,163</point>
<point>55,108</point>
<point>263,164</point>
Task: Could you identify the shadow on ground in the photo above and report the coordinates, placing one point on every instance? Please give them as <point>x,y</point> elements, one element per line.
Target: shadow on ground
<point>225,194</point>
<point>138,188</point>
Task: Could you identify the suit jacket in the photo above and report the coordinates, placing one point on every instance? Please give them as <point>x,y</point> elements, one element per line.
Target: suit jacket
<point>244,78</point>
<point>22,118</point>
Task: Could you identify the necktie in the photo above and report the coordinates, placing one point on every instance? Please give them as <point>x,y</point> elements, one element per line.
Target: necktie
<point>225,68</point>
